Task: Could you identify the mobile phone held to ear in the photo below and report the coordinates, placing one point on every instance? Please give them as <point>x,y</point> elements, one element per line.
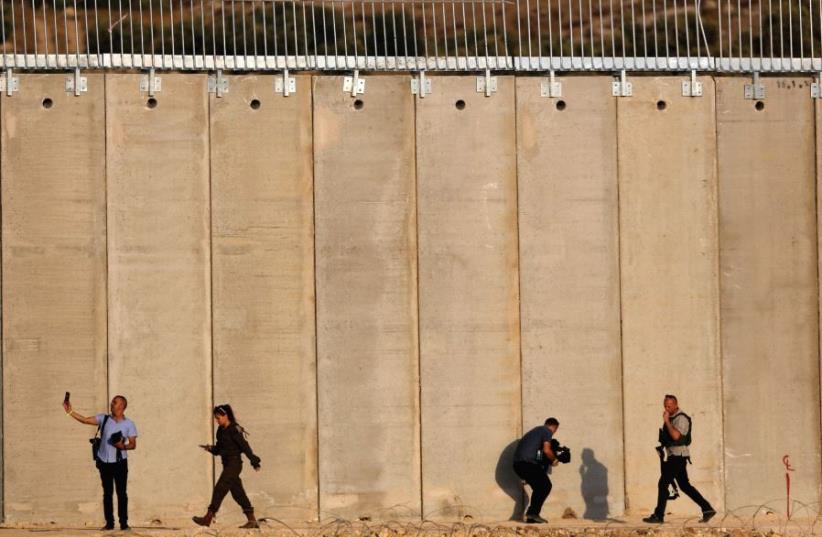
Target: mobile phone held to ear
<point>66,398</point>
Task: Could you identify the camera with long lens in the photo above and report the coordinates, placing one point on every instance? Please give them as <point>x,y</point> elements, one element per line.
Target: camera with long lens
<point>563,453</point>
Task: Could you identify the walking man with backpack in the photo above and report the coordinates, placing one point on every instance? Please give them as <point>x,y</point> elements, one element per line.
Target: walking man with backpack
<point>118,434</point>
<point>675,436</point>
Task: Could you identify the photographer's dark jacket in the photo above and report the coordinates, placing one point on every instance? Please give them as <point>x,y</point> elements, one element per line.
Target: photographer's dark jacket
<point>231,443</point>
<point>529,448</point>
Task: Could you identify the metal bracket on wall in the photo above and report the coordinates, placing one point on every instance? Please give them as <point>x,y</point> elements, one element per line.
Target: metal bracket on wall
<point>286,85</point>
<point>487,84</point>
<point>816,87</point>
<point>692,87</point>
<point>421,86</point>
<point>151,83</point>
<point>76,84</point>
<point>354,84</point>
<point>217,84</point>
<point>621,87</point>
<point>9,83</point>
<point>755,90</point>
<point>550,87</point>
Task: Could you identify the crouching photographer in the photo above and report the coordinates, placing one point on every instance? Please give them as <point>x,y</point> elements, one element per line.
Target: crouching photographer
<point>116,434</point>
<point>535,453</point>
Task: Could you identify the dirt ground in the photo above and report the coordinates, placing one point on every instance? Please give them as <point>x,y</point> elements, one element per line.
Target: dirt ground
<point>762,525</point>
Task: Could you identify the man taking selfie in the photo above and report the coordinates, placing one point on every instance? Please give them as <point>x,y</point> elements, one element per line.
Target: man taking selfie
<point>118,434</point>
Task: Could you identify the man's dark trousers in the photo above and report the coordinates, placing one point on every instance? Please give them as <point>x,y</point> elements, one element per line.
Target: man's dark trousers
<point>675,468</point>
<point>115,475</point>
<point>537,479</point>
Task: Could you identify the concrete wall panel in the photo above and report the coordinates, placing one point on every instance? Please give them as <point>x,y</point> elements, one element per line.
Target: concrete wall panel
<point>54,296</point>
<point>469,303</point>
<point>159,287</point>
<point>818,140</point>
<point>263,285</point>
<point>769,291</point>
<point>569,285</point>
<point>367,341</point>
<point>670,291</point>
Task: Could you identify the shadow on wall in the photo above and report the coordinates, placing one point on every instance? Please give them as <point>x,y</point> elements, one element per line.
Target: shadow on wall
<point>594,486</point>
<point>510,482</point>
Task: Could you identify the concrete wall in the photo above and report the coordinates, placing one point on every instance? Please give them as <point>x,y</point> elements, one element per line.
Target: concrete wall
<point>569,284</point>
<point>54,295</point>
<point>262,225</point>
<point>670,284</point>
<point>389,290</point>
<point>770,319</point>
<point>159,287</point>
<point>367,341</point>
<point>469,307</point>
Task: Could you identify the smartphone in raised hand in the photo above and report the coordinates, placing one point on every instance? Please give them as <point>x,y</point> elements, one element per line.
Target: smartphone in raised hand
<point>66,398</point>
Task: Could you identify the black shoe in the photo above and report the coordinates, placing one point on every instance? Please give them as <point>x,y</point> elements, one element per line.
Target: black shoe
<point>107,527</point>
<point>535,519</point>
<point>707,516</point>
<point>653,519</point>
<point>125,527</point>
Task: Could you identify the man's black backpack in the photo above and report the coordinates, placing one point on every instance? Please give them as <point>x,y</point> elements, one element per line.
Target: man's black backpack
<point>95,442</point>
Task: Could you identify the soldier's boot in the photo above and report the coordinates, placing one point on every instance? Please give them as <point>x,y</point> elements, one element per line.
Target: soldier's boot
<point>252,522</point>
<point>204,520</point>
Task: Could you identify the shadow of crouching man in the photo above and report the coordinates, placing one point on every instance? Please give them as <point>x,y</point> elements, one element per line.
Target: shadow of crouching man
<point>594,486</point>
<point>510,482</point>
